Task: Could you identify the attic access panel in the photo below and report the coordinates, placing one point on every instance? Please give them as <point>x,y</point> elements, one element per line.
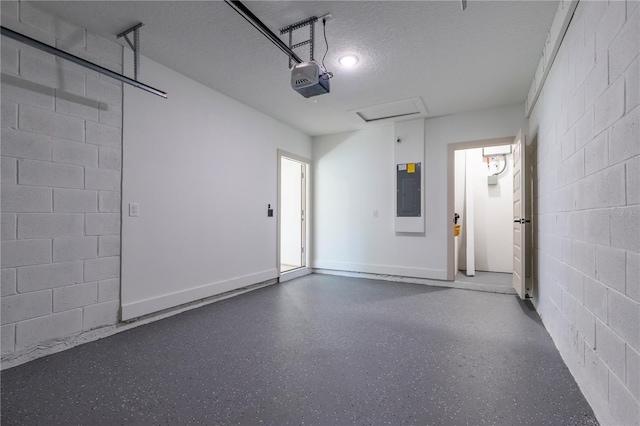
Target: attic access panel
<point>392,111</point>
<point>408,191</point>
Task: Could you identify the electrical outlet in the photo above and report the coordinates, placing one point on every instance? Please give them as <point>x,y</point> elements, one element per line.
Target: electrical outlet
<point>133,209</point>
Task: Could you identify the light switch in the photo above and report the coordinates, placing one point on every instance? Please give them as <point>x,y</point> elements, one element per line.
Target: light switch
<point>133,209</point>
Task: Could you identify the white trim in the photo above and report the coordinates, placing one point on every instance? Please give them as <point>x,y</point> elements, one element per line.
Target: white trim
<point>295,273</point>
<point>395,271</point>
<point>424,281</point>
<point>144,307</point>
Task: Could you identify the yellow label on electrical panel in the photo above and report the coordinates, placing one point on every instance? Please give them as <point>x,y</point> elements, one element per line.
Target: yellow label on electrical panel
<point>411,168</point>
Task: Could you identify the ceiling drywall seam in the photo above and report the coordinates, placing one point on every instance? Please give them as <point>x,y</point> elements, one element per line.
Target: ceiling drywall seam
<point>554,40</point>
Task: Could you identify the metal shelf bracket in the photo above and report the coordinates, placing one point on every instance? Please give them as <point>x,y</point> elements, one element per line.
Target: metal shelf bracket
<point>291,28</point>
<point>135,46</point>
<point>76,60</point>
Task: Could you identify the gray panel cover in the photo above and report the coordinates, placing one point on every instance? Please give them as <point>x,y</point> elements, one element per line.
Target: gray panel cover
<point>408,191</point>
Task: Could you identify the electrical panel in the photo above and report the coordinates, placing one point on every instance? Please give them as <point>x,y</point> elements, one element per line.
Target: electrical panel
<point>409,182</point>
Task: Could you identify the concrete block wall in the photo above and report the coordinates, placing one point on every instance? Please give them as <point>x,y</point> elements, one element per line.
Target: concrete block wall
<point>61,172</point>
<point>586,205</point>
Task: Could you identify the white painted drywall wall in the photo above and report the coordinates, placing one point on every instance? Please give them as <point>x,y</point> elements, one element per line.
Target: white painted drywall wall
<point>203,169</point>
<point>355,177</point>
<point>587,206</point>
<point>493,217</point>
<point>291,214</point>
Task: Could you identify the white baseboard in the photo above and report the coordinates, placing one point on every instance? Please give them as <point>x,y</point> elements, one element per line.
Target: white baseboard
<point>296,273</point>
<point>425,281</point>
<point>166,301</point>
<point>397,271</point>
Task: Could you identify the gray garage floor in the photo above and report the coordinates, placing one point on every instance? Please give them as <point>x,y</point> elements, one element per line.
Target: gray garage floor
<point>494,282</point>
<point>320,350</point>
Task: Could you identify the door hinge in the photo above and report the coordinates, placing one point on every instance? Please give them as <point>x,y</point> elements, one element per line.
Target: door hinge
<point>302,249</point>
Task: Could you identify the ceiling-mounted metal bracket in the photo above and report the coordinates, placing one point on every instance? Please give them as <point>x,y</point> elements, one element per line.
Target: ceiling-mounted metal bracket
<point>76,60</point>
<point>291,28</point>
<point>135,46</point>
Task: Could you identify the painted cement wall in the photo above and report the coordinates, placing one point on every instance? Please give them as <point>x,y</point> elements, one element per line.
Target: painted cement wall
<point>586,206</point>
<point>61,161</point>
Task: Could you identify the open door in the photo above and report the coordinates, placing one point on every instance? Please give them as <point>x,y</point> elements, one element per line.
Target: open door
<point>519,217</point>
<point>292,214</point>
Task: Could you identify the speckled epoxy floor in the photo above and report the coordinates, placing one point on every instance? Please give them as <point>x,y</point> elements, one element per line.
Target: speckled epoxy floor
<point>320,350</point>
<point>490,278</point>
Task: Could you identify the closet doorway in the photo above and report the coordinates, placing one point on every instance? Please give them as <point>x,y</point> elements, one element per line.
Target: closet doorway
<point>292,212</point>
<point>487,202</point>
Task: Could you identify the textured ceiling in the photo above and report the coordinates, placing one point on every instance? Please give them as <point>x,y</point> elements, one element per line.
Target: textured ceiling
<point>453,60</point>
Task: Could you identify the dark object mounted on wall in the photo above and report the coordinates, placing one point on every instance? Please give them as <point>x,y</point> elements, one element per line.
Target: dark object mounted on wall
<point>409,182</point>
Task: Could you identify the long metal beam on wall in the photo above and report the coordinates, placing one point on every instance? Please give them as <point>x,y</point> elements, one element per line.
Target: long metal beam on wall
<point>76,60</point>
<point>242,10</point>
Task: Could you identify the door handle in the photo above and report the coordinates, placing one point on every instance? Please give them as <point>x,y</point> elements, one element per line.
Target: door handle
<point>521,221</point>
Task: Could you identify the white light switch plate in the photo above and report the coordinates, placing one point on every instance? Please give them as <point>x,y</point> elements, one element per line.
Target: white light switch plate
<point>133,209</point>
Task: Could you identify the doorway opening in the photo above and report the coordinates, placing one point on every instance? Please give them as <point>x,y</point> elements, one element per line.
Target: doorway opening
<point>292,213</point>
<point>484,193</point>
<point>483,201</point>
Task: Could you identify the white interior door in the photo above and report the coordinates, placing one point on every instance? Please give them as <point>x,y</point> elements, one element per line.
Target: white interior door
<point>520,222</point>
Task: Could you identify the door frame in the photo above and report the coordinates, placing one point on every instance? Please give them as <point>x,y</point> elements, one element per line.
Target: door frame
<point>306,193</point>
<point>451,179</point>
